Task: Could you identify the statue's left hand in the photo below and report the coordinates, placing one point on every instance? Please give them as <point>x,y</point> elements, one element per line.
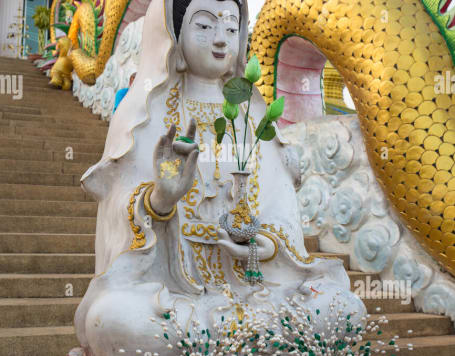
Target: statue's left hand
<point>266,248</point>
<point>175,166</point>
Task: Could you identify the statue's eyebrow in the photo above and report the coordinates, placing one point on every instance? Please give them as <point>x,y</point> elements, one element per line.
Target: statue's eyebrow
<point>234,17</point>
<point>208,12</point>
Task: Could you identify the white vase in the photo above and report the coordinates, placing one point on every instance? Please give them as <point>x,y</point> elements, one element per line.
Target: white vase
<point>241,225</point>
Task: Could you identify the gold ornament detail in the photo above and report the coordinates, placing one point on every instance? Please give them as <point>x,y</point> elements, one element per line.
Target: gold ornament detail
<point>254,179</point>
<point>172,103</point>
<point>241,214</point>
<point>151,212</point>
<point>275,243</point>
<point>211,273</point>
<point>52,21</point>
<point>139,237</point>
<point>170,169</point>
<point>207,232</point>
<point>205,115</point>
<point>201,262</point>
<point>239,270</point>
<point>217,148</point>
<point>182,264</point>
<point>283,236</point>
<point>189,199</point>
<point>390,54</point>
<point>217,269</point>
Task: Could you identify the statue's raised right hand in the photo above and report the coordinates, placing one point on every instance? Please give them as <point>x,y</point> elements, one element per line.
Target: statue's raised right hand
<point>175,166</point>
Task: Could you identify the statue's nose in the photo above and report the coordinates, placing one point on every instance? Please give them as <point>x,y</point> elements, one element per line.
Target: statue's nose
<point>220,39</point>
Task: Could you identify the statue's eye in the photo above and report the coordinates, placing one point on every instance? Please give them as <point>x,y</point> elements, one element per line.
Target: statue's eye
<point>232,30</point>
<point>203,26</point>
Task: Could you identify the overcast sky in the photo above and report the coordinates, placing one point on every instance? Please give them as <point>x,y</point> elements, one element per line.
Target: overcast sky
<point>254,7</point>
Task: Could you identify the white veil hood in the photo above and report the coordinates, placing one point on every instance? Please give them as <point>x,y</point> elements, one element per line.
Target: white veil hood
<point>157,67</point>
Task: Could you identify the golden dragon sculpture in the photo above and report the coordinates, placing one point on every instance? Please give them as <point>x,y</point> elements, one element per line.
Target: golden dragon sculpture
<point>93,32</point>
<point>395,58</point>
<point>89,62</point>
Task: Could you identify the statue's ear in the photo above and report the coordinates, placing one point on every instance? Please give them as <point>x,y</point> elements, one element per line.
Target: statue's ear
<point>181,65</point>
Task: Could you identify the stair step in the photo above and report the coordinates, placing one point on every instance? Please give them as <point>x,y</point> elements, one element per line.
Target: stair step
<point>48,91</point>
<point>420,324</point>
<point>24,72</point>
<point>388,304</point>
<point>422,346</point>
<point>46,341</point>
<point>25,154</point>
<point>43,192</point>
<point>50,98</point>
<point>16,207</point>
<point>17,63</point>
<point>361,276</point>
<point>47,263</point>
<point>31,78</point>
<point>311,244</point>
<point>54,179</point>
<point>26,67</point>
<point>47,243</point>
<point>69,108</point>
<point>49,144</point>
<point>72,126</point>
<point>31,110</point>
<point>52,119</point>
<point>43,132</point>
<point>67,141</point>
<point>27,166</point>
<point>78,145</point>
<point>47,224</point>
<point>23,65</point>
<point>43,285</point>
<point>41,155</point>
<point>344,257</point>
<point>37,312</point>
<point>37,83</point>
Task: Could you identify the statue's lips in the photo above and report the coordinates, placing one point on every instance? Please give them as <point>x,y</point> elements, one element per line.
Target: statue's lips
<point>219,55</point>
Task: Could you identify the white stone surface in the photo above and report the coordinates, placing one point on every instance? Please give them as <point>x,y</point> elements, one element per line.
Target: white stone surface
<point>342,203</point>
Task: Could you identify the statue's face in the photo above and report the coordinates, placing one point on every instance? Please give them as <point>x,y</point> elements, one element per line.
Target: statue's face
<point>210,35</point>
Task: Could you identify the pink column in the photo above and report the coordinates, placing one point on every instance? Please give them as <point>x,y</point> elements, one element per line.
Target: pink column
<point>299,71</point>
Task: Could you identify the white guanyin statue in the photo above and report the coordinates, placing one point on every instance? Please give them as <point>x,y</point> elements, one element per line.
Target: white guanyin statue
<point>159,246</point>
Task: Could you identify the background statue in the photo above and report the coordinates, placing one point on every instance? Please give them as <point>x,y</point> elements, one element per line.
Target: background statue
<point>158,247</point>
<point>61,70</point>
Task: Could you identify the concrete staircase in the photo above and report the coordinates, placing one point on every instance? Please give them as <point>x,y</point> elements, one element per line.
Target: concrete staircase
<point>47,227</point>
<point>47,223</point>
